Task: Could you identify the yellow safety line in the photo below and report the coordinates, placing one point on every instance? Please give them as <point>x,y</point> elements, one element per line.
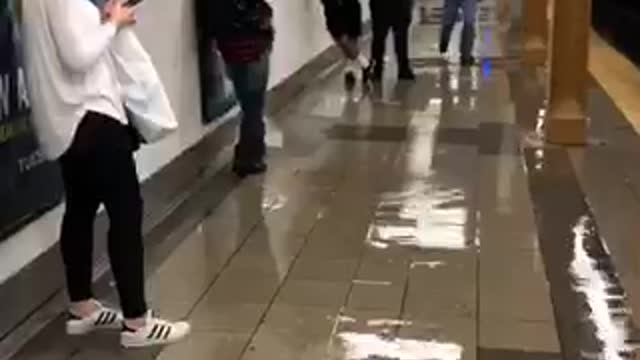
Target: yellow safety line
<point>618,76</point>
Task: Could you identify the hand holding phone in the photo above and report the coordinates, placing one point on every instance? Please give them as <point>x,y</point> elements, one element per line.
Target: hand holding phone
<point>120,14</point>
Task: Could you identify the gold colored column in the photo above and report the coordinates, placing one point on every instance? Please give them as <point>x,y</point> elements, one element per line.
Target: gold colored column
<point>566,116</point>
<point>536,27</point>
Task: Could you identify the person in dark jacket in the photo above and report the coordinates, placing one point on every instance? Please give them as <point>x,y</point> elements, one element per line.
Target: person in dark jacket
<point>344,23</point>
<point>396,16</point>
<point>243,30</point>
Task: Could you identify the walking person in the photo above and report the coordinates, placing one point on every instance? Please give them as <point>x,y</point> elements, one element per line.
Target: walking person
<point>80,120</point>
<point>452,9</point>
<point>244,33</point>
<point>395,16</point>
<point>344,23</point>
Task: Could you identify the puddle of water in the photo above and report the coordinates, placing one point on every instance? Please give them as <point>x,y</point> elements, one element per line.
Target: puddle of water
<point>427,217</point>
<point>372,283</point>
<point>430,264</point>
<point>273,201</point>
<point>369,346</point>
<point>388,323</point>
<point>608,312</point>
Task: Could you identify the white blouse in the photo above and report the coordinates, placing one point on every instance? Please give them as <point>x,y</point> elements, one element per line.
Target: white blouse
<point>69,69</point>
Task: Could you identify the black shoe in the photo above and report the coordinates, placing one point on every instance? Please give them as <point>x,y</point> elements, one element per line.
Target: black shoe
<point>366,75</point>
<point>406,74</point>
<point>375,71</point>
<point>468,61</point>
<point>350,80</point>
<point>244,170</point>
<point>376,74</point>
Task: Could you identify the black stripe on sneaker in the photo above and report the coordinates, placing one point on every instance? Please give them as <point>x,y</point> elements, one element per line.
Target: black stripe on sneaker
<point>100,319</point>
<point>159,334</point>
<point>110,318</point>
<point>163,335</point>
<point>152,334</point>
<point>166,335</point>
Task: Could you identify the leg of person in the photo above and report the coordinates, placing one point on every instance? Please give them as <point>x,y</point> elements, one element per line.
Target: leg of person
<point>381,27</point>
<point>119,190</point>
<point>334,21</point>
<point>349,44</point>
<point>469,9</point>
<point>353,18</point>
<point>76,240</point>
<point>401,27</point>
<point>448,22</point>
<point>250,81</point>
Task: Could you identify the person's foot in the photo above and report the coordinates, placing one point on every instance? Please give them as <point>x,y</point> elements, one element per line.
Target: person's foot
<point>154,332</point>
<point>468,61</point>
<point>248,169</point>
<point>366,74</point>
<point>406,74</point>
<point>376,73</point>
<point>350,80</point>
<point>102,318</point>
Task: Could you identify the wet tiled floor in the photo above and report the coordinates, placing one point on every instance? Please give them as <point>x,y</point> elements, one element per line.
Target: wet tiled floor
<point>412,221</point>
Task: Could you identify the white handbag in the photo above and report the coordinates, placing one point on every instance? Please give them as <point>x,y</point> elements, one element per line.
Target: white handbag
<point>145,99</point>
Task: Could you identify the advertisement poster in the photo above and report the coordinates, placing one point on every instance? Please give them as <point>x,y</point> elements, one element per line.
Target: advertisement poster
<point>28,183</point>
<point>216,89</point>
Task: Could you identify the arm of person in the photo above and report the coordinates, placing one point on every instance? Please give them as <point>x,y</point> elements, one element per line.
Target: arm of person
<point>79,45</point>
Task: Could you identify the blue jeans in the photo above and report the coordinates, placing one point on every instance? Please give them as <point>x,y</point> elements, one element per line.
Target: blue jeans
<point>469,9</point>
<point>250,81</point>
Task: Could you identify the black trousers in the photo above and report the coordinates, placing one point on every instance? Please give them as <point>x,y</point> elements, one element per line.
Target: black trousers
<point>391,16</point>
<point>99,168</point>
<point>343,17</point>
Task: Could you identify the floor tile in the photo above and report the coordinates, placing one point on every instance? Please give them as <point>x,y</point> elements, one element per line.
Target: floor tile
<point>268,344</point>
<point>243,318</point>
<point>377,296</point>
<point>324,270</point>
<point>206,346</point>
<point>518,335</point>
<point>301,319</point>
<point>313,293</point>
<point>242,288</point>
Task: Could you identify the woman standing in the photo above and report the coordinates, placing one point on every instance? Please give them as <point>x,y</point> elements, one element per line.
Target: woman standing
<point>80,121</point>
<point>244,33</point>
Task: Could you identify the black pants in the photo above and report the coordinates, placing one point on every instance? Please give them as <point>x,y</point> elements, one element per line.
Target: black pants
<point>396,16</point>
<point>343,17</point>
<point>99,169</point>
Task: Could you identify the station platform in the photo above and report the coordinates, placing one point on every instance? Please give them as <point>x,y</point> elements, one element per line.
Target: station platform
<point>407,221</point>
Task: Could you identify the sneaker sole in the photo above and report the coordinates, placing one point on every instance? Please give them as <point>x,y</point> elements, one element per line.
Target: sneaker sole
<point>133,344</point>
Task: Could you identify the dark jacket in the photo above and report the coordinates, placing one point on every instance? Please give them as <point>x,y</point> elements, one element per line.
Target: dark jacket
<point>391,11</point>
<point>243,29</point>
<point>225,19</point>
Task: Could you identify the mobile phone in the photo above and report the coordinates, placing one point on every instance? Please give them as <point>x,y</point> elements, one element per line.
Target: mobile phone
<point>132,3</point>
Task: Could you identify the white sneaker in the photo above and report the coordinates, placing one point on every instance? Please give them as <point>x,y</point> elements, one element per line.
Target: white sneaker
<point>155,332</point>
<point>102,319</point>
